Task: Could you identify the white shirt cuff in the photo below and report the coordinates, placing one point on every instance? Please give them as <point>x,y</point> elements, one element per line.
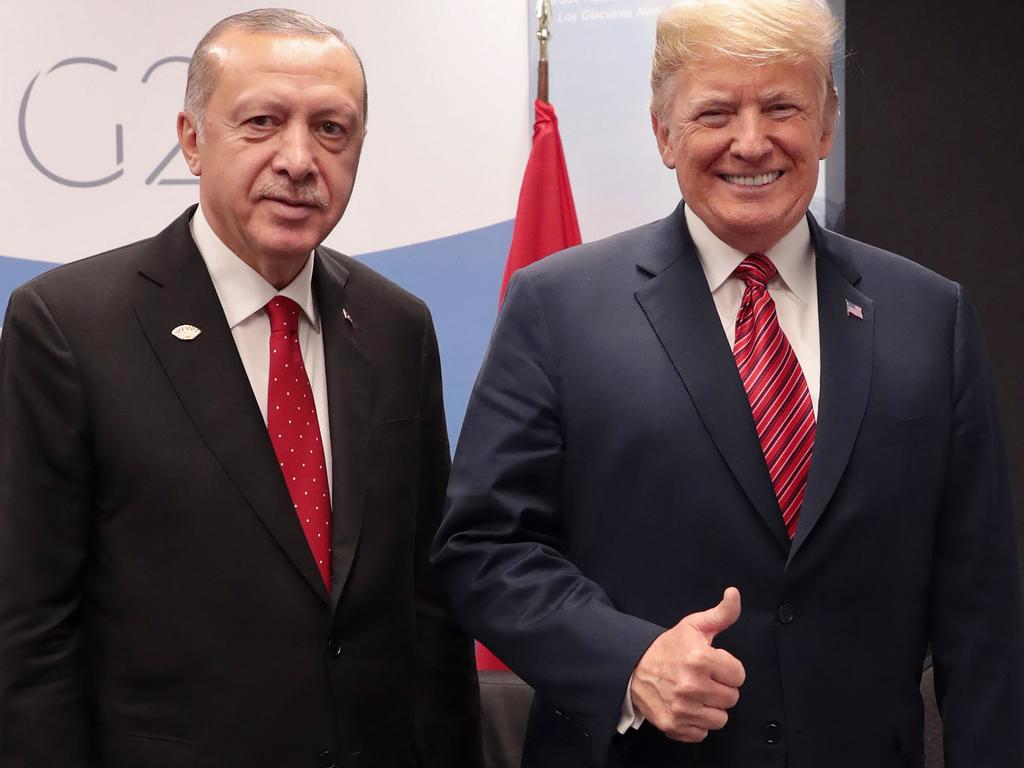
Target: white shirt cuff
<point>628,717</point>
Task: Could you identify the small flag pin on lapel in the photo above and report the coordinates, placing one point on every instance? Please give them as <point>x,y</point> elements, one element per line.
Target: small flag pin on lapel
<point>854,310</point>
<point>347,316</point>
<point>185,332</point>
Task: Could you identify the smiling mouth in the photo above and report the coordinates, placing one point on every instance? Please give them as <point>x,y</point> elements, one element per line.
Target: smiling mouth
<point>760,180</point>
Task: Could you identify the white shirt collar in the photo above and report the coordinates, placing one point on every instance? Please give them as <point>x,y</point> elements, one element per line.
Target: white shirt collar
<point>793,257</point>
<point>241,289</point>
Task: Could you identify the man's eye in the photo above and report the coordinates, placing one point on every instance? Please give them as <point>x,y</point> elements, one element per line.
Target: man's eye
<point>714,117</point>
<point>260,121</point>
<point>781,109</point>
<point>332,129</point>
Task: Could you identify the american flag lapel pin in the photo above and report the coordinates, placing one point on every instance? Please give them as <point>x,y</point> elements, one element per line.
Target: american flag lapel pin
<point>347,316</point>
<point>854,310</point>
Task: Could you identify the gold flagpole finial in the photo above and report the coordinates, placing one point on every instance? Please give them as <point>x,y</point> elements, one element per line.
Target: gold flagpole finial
<point>543,26</point>
<point>543,35</point>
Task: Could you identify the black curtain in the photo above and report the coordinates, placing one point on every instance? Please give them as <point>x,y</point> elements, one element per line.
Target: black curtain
<point>935,161</point>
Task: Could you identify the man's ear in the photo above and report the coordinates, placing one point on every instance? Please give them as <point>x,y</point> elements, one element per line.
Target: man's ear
<point>663,133</point>
<point>829,117</point>
<point>188,140</point>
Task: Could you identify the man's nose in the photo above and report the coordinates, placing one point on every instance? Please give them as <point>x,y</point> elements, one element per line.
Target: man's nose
<point>751,142</point>
<point>294,154</point>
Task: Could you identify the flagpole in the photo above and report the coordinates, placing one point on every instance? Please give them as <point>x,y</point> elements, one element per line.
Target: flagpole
<point>546,214</point>
<point>543,35</point>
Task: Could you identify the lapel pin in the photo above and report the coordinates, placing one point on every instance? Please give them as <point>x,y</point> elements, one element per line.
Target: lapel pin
<point>347,316</point>
<point>185,332</point>
<point>854,310</point>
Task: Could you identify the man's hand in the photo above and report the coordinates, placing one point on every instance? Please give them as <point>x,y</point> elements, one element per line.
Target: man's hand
<point>682,685</point>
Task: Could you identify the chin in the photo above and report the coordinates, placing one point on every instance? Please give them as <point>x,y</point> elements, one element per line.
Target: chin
<point>294,255</point>
<point>757,219</point>
<point>290,244</point>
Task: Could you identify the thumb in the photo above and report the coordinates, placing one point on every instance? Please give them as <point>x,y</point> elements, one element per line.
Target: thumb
<point>719,618</point>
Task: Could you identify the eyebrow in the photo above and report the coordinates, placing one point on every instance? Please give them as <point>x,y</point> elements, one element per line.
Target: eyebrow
<point>335,111</point>
<point>711,101</point>
<point>269,102</point>
<point>724,100</point>
<point>260,100</point>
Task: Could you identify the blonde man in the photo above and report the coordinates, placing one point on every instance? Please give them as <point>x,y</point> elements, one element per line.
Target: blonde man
<point>725,477</point>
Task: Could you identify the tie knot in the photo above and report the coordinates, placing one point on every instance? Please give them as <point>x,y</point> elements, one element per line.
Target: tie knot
<point>283,314</point>
<point>756,270</point>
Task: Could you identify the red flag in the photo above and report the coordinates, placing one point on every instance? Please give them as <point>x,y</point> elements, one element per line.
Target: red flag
<point>545,223</point>
<point>546,217</point>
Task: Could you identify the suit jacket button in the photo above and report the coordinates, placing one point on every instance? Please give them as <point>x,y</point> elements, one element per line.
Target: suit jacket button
<point>335,648</point>
<point>786,613</point>
<point>771,732</point>
<point>328,759</point>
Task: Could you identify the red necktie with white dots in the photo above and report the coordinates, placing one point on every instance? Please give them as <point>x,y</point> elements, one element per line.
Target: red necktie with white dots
<point>295,432</point>
<point>776,388</point>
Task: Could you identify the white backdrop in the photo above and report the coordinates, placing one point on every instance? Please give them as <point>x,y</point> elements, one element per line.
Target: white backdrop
<point>448,119</point>
<point>89,92</point>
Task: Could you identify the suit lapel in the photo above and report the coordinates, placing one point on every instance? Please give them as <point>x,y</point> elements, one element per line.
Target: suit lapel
<point>349,406</point>
<point>679,307</point>
<point>211,382</point>
<point>847,351</point>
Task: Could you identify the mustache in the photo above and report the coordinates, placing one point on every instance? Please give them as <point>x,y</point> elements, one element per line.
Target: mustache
<point>296,193</point>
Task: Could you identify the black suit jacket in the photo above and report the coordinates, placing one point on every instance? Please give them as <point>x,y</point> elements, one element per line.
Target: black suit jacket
<point>159,605</point>
<point>609,481</point>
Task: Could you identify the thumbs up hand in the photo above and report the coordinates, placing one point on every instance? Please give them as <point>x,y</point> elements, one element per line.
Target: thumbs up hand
<point>682,684</point>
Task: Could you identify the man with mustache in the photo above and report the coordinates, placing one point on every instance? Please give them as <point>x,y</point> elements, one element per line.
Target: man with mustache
<point>725,478</point>
<point>222,459</point>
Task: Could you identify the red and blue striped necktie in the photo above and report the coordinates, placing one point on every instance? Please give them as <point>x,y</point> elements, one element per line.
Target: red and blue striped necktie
<point>776,387</point>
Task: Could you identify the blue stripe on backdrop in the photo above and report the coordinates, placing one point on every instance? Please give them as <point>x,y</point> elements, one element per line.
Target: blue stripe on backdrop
<point>458,277</point>
<point>14,272</point>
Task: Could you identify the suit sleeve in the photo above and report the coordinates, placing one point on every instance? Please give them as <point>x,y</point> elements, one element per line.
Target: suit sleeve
<point>503,549</point>
<point>977,608</point>
<point>45,476</point>
<point>448,695</point>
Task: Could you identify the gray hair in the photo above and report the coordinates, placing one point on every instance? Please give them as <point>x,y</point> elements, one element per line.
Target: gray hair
<point>752,31</point>
<point>203,68</point>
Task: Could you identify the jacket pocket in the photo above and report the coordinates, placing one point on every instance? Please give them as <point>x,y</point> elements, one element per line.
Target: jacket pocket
<point>907,431</point>
<point>397,420</point>
<point>138,750</point>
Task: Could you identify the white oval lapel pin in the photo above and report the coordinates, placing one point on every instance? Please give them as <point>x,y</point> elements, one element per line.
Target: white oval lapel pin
<point>186,332</point>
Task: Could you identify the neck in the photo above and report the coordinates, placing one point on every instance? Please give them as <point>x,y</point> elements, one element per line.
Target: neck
<point>277,271</point>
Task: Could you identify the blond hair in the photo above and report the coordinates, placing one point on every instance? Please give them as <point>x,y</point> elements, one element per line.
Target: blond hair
<point>752,31</point>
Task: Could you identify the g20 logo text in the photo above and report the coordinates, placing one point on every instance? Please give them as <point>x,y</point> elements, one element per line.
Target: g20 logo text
<point>155,176</point>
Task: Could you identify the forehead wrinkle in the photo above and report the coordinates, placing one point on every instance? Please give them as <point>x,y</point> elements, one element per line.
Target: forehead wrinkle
<point>773,93</point>
<point>704,100</point>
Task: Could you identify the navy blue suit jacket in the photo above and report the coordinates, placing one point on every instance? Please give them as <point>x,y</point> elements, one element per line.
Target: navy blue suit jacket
<point>609,481</point>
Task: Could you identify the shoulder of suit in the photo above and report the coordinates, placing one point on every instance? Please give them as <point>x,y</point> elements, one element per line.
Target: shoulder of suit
<point>370,287</point>
<point>93,279</point>
<point>613,252</point>
<point>877,264</point>
<point>109,273</point>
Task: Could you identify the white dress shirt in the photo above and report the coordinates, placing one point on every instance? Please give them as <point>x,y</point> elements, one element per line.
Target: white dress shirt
<point>243,293</point>
<point>794,289</point>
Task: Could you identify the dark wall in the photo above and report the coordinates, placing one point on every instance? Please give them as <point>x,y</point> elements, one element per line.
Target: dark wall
<point>935,160</point>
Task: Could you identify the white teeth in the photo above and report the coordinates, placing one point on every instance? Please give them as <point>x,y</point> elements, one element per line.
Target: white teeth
<point>754,181</point>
